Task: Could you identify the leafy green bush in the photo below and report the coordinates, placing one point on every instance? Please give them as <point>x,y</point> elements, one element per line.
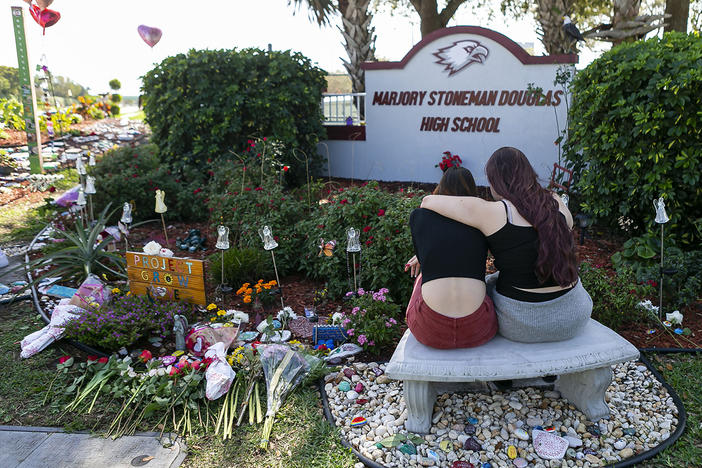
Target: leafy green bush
<point>374,321</point>
<point>124,320</point>
<point>114,109</point>
<point>615,297</point>
<point>116,98</point>
<point>382,218</point>
<point>133,175</point>
<point>680,288</point>
<point>11,114</point>
<point>240,265</point>
<point>636,133</point>
<point>235,199</point>
<point>95,113</point>
<point>205,103</point>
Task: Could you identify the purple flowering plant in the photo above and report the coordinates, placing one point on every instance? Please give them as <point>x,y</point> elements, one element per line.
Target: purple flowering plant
<point>125,320</point>
<point>374,321</point>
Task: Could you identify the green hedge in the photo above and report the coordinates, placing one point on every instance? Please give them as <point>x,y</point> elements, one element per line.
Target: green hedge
<point>202,104</point>
<point>133,175</point>
<point>636,133</point>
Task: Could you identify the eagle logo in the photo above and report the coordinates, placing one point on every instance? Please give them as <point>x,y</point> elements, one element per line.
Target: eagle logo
<point>460,54</point>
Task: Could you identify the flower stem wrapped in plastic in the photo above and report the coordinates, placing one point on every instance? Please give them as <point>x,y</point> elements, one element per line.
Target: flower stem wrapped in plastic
<point>283,368</point>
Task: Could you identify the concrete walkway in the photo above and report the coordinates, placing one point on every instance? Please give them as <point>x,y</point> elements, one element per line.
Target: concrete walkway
<point>40,447</point>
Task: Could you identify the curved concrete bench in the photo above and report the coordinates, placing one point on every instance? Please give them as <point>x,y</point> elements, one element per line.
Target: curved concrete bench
<point>583,365</point>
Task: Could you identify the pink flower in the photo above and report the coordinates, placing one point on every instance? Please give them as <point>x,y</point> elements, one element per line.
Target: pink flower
<point>388,324</point>
<point>355,310</point>
<point>362,339</point>
<point>350,331</point>
<point>345,322</point>
<point>103,360</point>
<point>63,359</point>
<point>393,321</point>
<point>366,229</point>
<point>371,343</point>
<point>381,212</point>
<point>361,291</point>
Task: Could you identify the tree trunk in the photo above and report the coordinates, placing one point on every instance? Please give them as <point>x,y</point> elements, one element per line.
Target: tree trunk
<point>550,15</point>
<point>430,19</point>
<point>680,11</point>
<point>624,10</point>
<point>359,39</point>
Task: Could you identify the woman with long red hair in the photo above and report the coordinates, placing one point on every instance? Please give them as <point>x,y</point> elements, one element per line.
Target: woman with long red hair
<point>537,294</point>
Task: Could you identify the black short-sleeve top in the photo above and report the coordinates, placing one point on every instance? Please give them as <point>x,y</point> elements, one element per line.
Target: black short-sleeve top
<point>447,248</point>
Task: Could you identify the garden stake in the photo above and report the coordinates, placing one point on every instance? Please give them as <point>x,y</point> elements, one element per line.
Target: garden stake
<point>661,218</point>
<point>280,286</point>
<point>353,245</point>
<point>269,243</point>
<point>162,208</point>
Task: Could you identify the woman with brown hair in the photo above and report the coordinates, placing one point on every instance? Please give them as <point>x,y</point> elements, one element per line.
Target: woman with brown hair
<point>537,294</point>
<point>449,308</point>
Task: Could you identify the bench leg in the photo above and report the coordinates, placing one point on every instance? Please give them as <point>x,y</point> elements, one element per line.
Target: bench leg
<point>586,390</point>
<point>419,398</point>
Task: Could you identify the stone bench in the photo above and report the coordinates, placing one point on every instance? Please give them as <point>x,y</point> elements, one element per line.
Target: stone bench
<point>582,364</point>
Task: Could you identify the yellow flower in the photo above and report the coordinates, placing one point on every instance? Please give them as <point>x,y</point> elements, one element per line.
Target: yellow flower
<point>245,285</point>
<point>104,276</point>
<point>211,307</point>
<point>247,299</point>
<point>258,289</point>
<point>94,304</point>
<point>260,281</point>
<point>129,293</point>
<point>116,291</point>
<point>293,342</point>
<point>272,282</point>
<point>213,319</point>
<point>221,313</point>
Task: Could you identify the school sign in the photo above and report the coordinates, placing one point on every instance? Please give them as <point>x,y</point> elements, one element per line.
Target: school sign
<point>467,90</point>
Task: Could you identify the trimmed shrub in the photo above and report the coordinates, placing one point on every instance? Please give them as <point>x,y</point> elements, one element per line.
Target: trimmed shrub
<point>382,218</point>
<point>208,102</point>
<point>240,265</point>
<point>635,134</point>
<point>133,175</point>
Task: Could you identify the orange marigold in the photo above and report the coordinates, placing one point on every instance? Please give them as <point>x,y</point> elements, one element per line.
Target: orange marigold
<point>247,299</point>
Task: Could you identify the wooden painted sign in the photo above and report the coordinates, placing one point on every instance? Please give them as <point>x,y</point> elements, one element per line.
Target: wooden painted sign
<point>173,279</point>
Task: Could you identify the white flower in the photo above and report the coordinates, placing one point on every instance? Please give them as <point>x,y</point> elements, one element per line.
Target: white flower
<point>648,306</point>
<point>674,317</point>
<point>161,371</point>
<point>164,252</point>
<point>153,372</point>
<point>152,248</point>
<point>238,316</point>
<point>127,360</point>
<point>286,314</point>
<point>337,317</point>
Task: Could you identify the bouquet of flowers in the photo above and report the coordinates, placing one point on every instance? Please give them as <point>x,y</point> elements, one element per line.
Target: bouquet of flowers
<point>260,291</point>
<point>449,160</point>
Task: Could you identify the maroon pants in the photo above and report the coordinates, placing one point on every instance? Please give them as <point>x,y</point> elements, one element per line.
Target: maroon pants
<point>439,331</point>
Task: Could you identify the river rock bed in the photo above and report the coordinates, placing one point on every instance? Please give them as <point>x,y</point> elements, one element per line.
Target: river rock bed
<point>643,415</point>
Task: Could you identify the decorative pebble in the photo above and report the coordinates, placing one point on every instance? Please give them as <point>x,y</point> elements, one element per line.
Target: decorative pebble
<point>650,331</point>
<point>589,451</point>
<point>361,401</point>
<point>445,445</point>
<point>619,444</point>
<point>550,429</point>
<point>594,430</point>
<point>520,462</point>
<point>472,444</point>
<point>358,421</point>
<point>626,452</point>
<point>667,323</point>
<point>549,446</point>
<point>462,464</point>
<point>521,434</point>
<point>579,456</point>
<point>486,465</point>
<point>358,387</point>
<point>352,395</point>
<point>378,371</point>
<point>679,331</point>
<point>469,429</point>
<point>512,452</point>
<point>570,452</point>
<point>433,455</point>
<point>629,431</point>
<point>344,387</point>
<point>409,449</point>
<point>573,441</point>
<point>472,420</point>
<point>348,372</point>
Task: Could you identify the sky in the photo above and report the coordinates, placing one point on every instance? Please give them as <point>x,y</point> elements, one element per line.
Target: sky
<point>96,41</point>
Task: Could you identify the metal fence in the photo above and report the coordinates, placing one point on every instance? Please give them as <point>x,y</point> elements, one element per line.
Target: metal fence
<point>344,109</point>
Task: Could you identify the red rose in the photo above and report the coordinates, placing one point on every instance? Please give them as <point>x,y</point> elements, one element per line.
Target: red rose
<point>195,365</point>
<point>174,371</point>
<point>366,229</point>
<point>344,201</point>
<point>63,359</point>
<point>92,358</point>
<point>52,189</point>
<point>258,189</point>
<point>381,212</point>
<point>248,189</point>
<point>286,168</point>
<point>103,360</point>
<point>145,355</point>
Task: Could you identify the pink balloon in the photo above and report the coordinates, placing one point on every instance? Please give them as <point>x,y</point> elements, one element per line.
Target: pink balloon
<point>150,35</point>
<point>44,4</point>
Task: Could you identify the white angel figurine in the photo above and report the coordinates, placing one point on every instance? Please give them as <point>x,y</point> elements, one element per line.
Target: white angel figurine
<point>222,238</point>
<point>266,236</point>
<point>160,205</point>
<point>353,242</point>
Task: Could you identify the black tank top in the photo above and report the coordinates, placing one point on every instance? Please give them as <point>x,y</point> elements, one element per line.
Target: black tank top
<point>516,249</point>
<point>447,248</point>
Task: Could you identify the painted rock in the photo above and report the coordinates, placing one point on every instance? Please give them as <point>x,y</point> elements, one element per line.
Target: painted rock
<point>378,371</point>
<point>409,449</point>
<point>358,387</point>
<point>361,401</point>
<point>667,323</point>
<point>470,429</point>
<point>472,444</point>
<point>570,452</point>
<point>579,455</point>
<point>379,445</point>
<point>550,446</point>
<point>629,431</point>
<point>512,452</point>
<point>678,331</point>
<point>521,434</point>
<point>433,456</point>
<point>550,429</point>
<point>445,445</point>
<point>589,451</point>
<point>650,331</point>
<point>594,430</point>
<point>348,372</point>
<point>335,361</point>
<point>486,465</point>
<point>619,444</point>
<point>358,421</point>
<point>573,441</point>
<point>472,420</point>
<point>520,462</point>
<point>462,464</point>
<point>344,387</point>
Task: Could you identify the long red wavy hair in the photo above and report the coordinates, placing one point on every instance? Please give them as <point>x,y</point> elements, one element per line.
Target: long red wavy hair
<point>511,176</point>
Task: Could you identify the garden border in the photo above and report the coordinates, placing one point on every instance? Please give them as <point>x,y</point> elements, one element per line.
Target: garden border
<point>682,421</point>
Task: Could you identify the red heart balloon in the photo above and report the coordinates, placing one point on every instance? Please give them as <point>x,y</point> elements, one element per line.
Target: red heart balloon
<point>44,18</point>
<point>150,35</point>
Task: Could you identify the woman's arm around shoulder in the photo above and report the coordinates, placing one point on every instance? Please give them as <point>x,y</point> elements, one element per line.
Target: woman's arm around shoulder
<point>472,211</point>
